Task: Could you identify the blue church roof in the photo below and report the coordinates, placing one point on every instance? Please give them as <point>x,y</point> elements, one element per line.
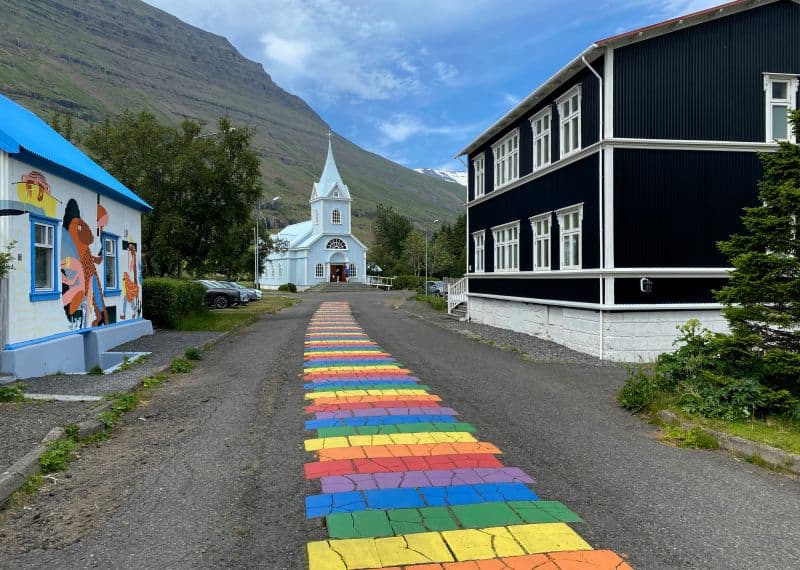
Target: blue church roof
<point>21,130</point>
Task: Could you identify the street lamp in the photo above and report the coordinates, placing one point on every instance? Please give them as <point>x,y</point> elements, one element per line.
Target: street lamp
<point>256,279</point>
<point>426,257</point>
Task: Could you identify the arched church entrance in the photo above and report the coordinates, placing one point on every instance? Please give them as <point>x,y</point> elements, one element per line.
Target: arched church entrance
<point>337,268</point>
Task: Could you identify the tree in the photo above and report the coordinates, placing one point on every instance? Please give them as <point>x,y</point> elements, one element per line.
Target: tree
<point>390,230</point>
<point>413,248</point>
<point>762,297</point>
<point>201,187</point>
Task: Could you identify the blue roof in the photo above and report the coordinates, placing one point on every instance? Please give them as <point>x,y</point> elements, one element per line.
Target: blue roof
<point>21,130</point>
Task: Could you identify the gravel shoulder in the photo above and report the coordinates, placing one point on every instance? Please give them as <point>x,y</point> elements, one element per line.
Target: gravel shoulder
<point>23,425</point>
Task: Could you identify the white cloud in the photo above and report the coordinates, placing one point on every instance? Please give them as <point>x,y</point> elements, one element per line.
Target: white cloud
<point>402,127</point>
<point>285,51</point>
<point>445,72</point>
<point>511,100</point>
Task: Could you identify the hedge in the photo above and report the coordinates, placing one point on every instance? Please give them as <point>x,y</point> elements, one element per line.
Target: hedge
<point>291,287</point>
<point>165,301</point>
<point>413,282</point>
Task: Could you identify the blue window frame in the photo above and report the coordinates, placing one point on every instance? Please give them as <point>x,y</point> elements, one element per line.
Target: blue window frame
<point>44,259</point>
<point>110,264</point>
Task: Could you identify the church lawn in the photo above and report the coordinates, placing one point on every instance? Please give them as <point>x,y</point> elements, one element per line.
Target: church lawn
<point>223,320</point>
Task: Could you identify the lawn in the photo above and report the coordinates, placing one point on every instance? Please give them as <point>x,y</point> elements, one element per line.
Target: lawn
<point>223,320</point>
<point>775,432</point>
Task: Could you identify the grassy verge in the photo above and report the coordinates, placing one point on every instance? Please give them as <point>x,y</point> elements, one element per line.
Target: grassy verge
<point>229,319</point>
<point>438,303</point>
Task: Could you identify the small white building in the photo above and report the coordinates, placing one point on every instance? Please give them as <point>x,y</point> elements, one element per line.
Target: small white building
<point>75,288</point>
<point>322,248</point>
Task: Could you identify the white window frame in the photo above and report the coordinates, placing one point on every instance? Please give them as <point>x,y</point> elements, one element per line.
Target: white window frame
<point>570,120</point>
<point>506,247</point>
<point>334,243</point>
<point>319,271</point>
<point>479,175</point>
<point>770,102</point>
<point>353,271</point>
<point>542,129</point>
<point>506,159</point>
<point>336,217</point>
<point>479,246</point>
<point>545,263</point>
<point>568,235</point>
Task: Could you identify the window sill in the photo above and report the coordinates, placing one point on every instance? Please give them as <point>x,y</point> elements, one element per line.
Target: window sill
<point>506,183</point>
<point>112,292</point>
<point>37,296</point>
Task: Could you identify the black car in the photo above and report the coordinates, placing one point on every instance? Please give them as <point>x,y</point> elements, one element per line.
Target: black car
<point>219,296</point>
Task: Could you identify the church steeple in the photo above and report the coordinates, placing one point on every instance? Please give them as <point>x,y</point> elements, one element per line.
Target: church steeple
<point>330,182</point>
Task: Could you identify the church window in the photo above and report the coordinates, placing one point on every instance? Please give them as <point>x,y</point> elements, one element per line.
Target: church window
<point>336,243</point>
<point>353,271</point>
<point>336,217</point>
<point>336,194</point>
<point>319,271</point>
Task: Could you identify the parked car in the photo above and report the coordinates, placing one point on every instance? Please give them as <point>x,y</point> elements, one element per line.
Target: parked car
<point>220,296</point>
<point>252,293</point>
<point>437,289</point>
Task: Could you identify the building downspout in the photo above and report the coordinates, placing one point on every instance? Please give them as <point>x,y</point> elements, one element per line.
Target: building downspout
<point>600,139</point>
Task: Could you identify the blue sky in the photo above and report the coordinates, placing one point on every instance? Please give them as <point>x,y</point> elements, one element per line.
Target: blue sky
<point>416,80</point>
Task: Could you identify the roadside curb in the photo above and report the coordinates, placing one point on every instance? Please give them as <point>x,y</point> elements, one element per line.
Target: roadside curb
<point>745,447</point>
<point>19,472</point>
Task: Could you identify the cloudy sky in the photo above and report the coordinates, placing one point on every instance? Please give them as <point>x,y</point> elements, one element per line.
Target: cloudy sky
<point>416,80</point>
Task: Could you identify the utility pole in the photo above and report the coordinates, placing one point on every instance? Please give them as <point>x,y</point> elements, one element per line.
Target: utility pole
<point>426,257</point>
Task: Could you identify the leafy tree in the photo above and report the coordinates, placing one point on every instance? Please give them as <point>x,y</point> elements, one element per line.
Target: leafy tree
<point>65,126</point>
<point>390,230</point>
<point>762,297</point>
<point>413,248</point>
<point>201,187</point>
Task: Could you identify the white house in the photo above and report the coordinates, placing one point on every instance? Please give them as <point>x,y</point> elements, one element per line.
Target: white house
<point>322,248</point>
<point>74,290</point>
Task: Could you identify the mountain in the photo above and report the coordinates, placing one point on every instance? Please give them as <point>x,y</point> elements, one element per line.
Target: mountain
<point>92,58</point>
<point>456,176</point>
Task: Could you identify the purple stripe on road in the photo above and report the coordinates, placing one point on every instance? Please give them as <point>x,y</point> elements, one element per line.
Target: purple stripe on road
<point>366,412</point>
<point>416,479</point>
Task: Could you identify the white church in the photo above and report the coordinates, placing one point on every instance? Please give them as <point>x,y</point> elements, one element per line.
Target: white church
<point>322,248</point>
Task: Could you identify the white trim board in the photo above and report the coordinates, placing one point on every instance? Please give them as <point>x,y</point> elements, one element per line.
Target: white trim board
<point>601,306</point>
<point>622,272</point>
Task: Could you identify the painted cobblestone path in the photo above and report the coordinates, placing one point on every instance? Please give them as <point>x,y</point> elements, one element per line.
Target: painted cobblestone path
<point>405,483</point>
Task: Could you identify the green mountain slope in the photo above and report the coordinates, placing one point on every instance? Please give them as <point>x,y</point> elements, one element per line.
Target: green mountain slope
<point>90,58</point>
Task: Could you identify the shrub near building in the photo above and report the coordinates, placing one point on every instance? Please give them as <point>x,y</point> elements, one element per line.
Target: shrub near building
<point>167,300</point>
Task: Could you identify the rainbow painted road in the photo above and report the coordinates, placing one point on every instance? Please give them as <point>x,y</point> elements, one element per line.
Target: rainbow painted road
<point>405,483</point>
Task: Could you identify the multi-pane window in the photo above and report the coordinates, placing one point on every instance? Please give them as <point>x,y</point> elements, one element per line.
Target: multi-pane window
<point>319,271</point>
<point>569,112</point>
<point>336,217</point>
<point>781,97</point>
<point>110,262</point>
<point>506,159</point>
<point>478,239</point>
<point>336,243</point>
<point>506,247</point>
<point>353,271</point>
<point>479,176</point>
<point>541,242</point>
<point>44,252</point>
<point>569,222</point>
<point>540,124</point>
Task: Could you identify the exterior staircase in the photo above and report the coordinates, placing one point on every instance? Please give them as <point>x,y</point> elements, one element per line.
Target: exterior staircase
<point>336,287</point>
<point>457,299</point>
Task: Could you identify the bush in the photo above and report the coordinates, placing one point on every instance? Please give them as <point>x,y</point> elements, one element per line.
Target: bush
<point>11,394</point>
<point>193,353</point>
<point>58,455</point>
<point>180,366</point>
<point>413,282</point>
<point>291,287</point>
<point>165,301</point>
<point>640,392</point>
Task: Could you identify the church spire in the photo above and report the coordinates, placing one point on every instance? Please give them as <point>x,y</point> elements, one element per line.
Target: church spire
<point>330,177</point>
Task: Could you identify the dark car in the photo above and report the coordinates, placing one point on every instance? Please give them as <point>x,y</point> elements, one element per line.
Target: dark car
<point>219,296</point>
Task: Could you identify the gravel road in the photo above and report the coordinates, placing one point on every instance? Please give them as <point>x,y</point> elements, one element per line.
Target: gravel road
<point>209,473</point>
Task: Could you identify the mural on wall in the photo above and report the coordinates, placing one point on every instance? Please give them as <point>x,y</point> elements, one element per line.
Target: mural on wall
<point>130,283</point>
<point>33,195</point>
<point>81,286</point>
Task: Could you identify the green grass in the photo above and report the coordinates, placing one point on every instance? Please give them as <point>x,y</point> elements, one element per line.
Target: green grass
<point>11,394</point>
<point>777,433</point>
<point>58,456</point>
<point>438,303</point>
<point>223,320</point>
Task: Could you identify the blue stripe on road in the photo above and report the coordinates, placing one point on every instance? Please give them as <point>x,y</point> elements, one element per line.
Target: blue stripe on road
<point>383,499</point>
<point>377,421</point>
<point>357,383</point>
<point>323,363</point>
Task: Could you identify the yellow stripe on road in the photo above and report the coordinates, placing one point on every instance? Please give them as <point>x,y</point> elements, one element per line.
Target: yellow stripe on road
<point>389,439</point>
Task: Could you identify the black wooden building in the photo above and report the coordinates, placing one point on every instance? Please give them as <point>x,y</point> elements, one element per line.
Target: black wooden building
<point>595,205</point>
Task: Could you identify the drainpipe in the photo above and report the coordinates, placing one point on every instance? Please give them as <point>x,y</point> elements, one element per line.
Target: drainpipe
<point>600,138</point>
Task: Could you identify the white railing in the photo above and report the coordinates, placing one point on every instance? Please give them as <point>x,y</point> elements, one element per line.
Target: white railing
<point>456,294</point>
<point>379,282</point>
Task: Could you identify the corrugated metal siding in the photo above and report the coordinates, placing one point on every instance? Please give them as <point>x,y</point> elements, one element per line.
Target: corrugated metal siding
<point>705,82</point>
<point>672,207</point>
<point>578,290</point>
<point>628,291</point>
<point>570,185</point>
